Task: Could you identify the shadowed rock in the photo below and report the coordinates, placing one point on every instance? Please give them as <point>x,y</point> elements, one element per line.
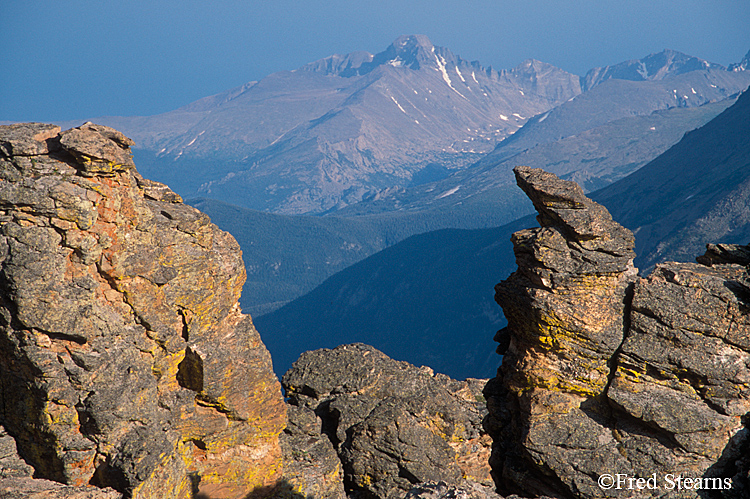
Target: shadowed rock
<point>311,466</point>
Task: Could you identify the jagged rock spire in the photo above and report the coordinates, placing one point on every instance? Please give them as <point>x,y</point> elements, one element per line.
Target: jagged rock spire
<point>605,372</point>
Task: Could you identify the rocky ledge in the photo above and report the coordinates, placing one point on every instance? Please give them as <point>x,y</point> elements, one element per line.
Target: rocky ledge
<point>391,425</point>
<point>124,357</point>
<point>607,373</point>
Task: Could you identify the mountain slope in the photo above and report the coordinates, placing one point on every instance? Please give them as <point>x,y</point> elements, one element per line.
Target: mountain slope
<point>421,300</point>
<point>363,127</point>
<point>696,192</point>
<point>287,256</point>
<point>430,295</point>
<point>618,124</point>
<point>329,133</point>
<point>594,158</point>
<point>614,99</point>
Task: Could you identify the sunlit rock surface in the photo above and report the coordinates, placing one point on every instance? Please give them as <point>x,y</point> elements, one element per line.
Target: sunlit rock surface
<point>605,372</point>
<point>125,359</point>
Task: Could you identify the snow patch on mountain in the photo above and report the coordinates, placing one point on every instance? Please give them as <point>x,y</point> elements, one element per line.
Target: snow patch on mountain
<point>399,105</point>
<point>458,71</point>
<point>444,73</point>
<point>449,192</point>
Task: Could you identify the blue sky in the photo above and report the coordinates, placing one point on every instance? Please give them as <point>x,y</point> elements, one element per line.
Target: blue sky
<point>78,59</point>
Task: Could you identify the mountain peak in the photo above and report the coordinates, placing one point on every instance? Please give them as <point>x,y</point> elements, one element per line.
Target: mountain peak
<point>412,51</point>
<point>656,66</point>
<point>743,65</point>
<point>412,44</point>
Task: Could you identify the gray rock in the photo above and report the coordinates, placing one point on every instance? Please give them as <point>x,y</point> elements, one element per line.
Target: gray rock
<point>126,361</point>
<point>311,466</point>
<point>98,150</point>
<point>441,490</point>
<point>27,139</point>
<point>34,488</point>
<point>725,253</point>
<point>393,424</point>
<point>11,464</point>
<point>605,372</point>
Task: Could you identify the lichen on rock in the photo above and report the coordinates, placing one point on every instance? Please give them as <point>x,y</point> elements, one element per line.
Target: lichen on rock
<point>124,356</point>
<point>606,372</point>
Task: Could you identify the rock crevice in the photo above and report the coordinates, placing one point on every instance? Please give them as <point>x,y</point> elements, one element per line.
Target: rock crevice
<point>608,372</point>
<point>124,357</point>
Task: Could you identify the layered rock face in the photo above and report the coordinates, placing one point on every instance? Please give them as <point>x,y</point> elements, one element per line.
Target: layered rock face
<point>16,479</point>
<point>608,373</point>
<point>392,424</point>
<point>124,357</point>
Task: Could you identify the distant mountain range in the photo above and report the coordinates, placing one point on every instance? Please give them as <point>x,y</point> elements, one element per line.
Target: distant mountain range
<point>697,192</point>
<point>340,136</point>
<point>334,131</point>
<point>364,127</point>
<point>622,120</point>
<point>594,154</point>
<point>431,295</point>
<point>287,256</point>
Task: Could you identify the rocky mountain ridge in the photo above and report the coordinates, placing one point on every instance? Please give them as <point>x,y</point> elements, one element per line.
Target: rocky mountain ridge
<point>665,64</point>
<point>331,132</point>
<point>483,195</point>
<point>584,138</point>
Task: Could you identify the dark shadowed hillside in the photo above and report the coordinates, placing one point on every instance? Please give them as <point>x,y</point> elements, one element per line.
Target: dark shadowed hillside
<point>422,299</point>
<point>287,256</point>
<point>695,193</point>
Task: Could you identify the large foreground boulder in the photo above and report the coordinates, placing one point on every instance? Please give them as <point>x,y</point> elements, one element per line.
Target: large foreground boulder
<point>124,357</point>
<point>606,373</point>
<point>393,425</point>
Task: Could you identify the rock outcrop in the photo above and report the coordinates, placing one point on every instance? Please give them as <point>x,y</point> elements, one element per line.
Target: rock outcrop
<point>393,425</point>
<point>127,369</point>
<point>442,490</point>
<point>607,373</point>
<point>125,360</point>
